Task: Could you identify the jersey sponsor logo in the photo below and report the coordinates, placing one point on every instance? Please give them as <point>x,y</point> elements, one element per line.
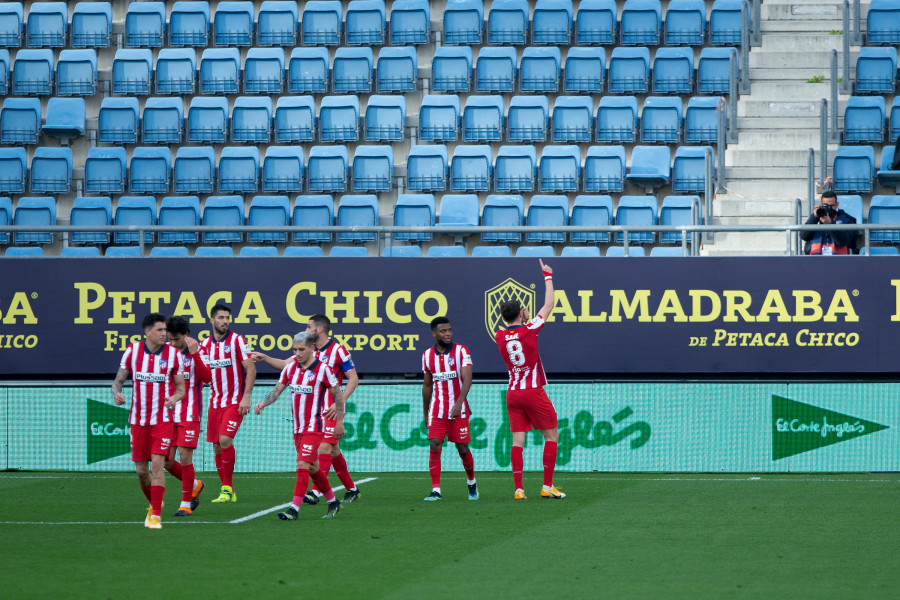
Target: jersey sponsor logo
<point>500,293</point>
<point>301,389</point>
<point>220,363</point>
<point>444,376</point>
<point>149,377</point>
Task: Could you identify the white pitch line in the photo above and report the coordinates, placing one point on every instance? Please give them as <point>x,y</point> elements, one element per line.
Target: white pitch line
<point>285,505</point>
<point>107,522</point>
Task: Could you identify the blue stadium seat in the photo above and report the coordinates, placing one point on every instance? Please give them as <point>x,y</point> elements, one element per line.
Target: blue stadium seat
<point>482,119</point>
<point>516,168</point>
<point>495,70</point>
<point>410,22</point>
<point>491,251</point>
<point>604,169</point>
<point>277,25</point>
<point>572,119</point>
<point>47,25</point>
<point>446,252</point>
<point>132,71</point>
<point>458,210</point>
<point>359,210</point>
<point>535,251</point>
<point>651,166</point>
<point>233,24</point>
<point>451,69</point>
<point>176,71</point>
<point>308,71</point>
<point>239,170</point>
<point>471,168</point>
<point>426,168</point>
<point>189,25</point>
<point>559,169</point>
<point>373,169</point>
<point>880,250</point>
<point>339,119</point>
<point>637,211</point>
<point>679,210</point>
<point>402,251</point>
<point>194,171</point>
<point>365,23</point>
<point>163,120</point>
<point>508,23</point>
<point>264,71</point>
<point>251,120</point>
<point>76,73</point>
<point>283,170</point>
<point>20,121</point>
<point>65,118</point>
<point>321,23</point>
<point>80,252</point>
<point>397,70</point>
<point>629,71</point>
<point>661,120</point>
<point>666,251</point>
<point>852,205</point>
<point>327,169</point>
<point>223,211</point>
<point>689,169</point>
<point>33,73</point>
<point>51,170</point>
<point>714,70</point>
<point>581,251</point>
<point>854,167</point>
<point>105,171</point>
<point>502,210</point>
<point>685,23</point>
<point>864,120</point>
<point>641,23</point>
<point>617,119</point>
<point>305,251</point>
<point>24,252</point>
<point>213,251</point>
<point>592,211</point>
<point>547,211</point>
<point>150,170</point>
<point>551,23</point>
<point>34,212</point>
<point>269,211</point>
<point>463,23</point>
<point>12,24</point>
<point>6,217</point>
<point>701,123</point>
<point>885,175</point>
<point>207,120</point>
<point>385,119</point>
<point>220,70</point>
<point>145,25</point>
<point>91,212</point>
<point>585,71</point>
<point>169,252</point>
<point>179,211</point>
<point>135,211</point>
<point>882,210</point>
<point>295,119</point>
<point>5,65</point>
<point>595,23</point>
<point>414,210</point>
<point>352,71</point>
<point>725,22</point>
<point>539,71</point>
<point>313,211</point>
<point>348,251</point>
<point>883,23</point>
<point>528,119</point>
<point>894,132</point>
<point>439,119</point>
<point>13,170</point>
<point>673,71</point>
<point>259,251</point>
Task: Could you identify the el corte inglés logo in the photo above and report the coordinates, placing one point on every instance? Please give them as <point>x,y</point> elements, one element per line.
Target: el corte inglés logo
<point>107,431</point>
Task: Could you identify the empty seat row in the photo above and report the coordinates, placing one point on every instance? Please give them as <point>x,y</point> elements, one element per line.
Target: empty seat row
<point>876,70</point>
<point>21,123</point>
<point>855,169</point>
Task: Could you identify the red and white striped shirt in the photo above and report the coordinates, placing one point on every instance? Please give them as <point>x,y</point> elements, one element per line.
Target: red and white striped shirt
<point>224,359</point>
<point>196,373</point>
<point>309,390</point>
<point>519,348</point>
<point>446,377</point>
<point>338,360</point>
<point>153,378</point>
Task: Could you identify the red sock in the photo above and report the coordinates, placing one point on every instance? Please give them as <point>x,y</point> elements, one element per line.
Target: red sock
<point>549,462</point>
<point>301,485</point>
<point>187,484</point>
<point>324,466</point>
<point>219,464</point>
<point>228,456</point>
<point>518,464</point>
<point>468,462</point>
<point>321,480</point>
<point>175,469</point>
<point>156,497</point>
<point>146,490</point>
<point>434,468</point>
<point>339,464</point>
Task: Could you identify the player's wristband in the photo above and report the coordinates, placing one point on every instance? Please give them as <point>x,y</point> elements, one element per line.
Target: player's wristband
<point>547,275</point>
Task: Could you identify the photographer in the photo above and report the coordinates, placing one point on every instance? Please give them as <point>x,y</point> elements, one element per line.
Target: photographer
<point>828,241</point>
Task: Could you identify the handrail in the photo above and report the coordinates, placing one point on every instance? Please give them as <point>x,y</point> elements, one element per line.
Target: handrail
<point>823,138</point>
<point>845,46</point>
<point>811,175</point>
<point>834,133</point>
<point>745,49</point>
<point>756,29</point>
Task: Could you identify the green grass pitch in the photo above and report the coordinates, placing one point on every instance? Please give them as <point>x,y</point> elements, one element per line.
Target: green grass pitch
<point>615,536</point>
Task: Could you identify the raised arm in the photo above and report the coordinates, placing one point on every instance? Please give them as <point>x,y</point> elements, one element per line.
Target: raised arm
<point>276,363</point>
<point>548,291</point>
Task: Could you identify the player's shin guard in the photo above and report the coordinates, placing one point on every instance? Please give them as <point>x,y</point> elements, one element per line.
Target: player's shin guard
<point>300,486</point>
<point>549,462</point>
<point>339,464</point>
<point>468,462</point>
<point>187,482</point>
<point>518,463</point>
<point>321,481</point>
<point>227,472</point>
<point>324,466</point>
<point>434,468</point>
<point>156,498</point>
<point>146,490</point>
<point>176,470</point>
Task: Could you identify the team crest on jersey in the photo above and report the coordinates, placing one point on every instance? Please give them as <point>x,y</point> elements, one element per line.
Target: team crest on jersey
<point>497,295</point>
<point>163,363</point>
<point>451,361</point>
<point>227,349</point>
<point>187,362</point>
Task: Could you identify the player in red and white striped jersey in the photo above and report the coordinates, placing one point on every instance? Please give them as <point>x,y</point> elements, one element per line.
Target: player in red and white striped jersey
<point>448,377</point>
<point>526,400</point>
<point>233,373</point>
<point>187,414</point>
<point>310,381</point>
<point>157,385</point>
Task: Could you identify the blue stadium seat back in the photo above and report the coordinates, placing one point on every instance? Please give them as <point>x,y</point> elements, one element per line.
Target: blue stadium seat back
<point>685,23</point>
<point>886,176</point>
<point>321,23</point>
<point>580,252</point>
<point>145,25</point>
<point>305,251</point>
<point>516,168</point>
<point>5,69</point>
<point>76,73</point>
<point>47,25</point>
<point>357,210</point>
<point>282,170</point>
<point>495,70</point>
<point>673,71</point>
<point>80,252</point>
<point>327,169</point>
<point>596,23</point>
<point>880,251</point>
<point>853,169</point>
<point>572,120</point>
<point>179,211</point>
<point>559,169</point>
<point>295,120</point>
<point>539,70</point>
<point>410,22</point>
<point>884,209</point>
<point>65,117</point>
<point>123,252</point>
<point>239,170</point>
<point>617,119</point>
<point>864,120</point>
<point>491,251</point>
<point>251,120</point>
<point>439,118</point>
<point>259,251</point>
<point>528,119</point>
<point>604,169</point>
<point>619,251</point>
<point>12,24</point>
<point>482,119</point>
<point>852,204</point>
<point>446,252</point>
<point>689,169</point>
<point>585,70</point>
<point>373,169</point>
<point>725,22</point>
<point>352,71</point>
<point>169,252</point>
<point>223,211</point>
<point>402,251</point>
<point>93,212</point>
<point>397,70</point>
<point>547,211</point>
<point>132,70</point>
<point>592,211</point>
<point>365,23</point>
<point>451,69</point>
<point>189,24</point>
<point>33,72</point>
<point>308,71</point>
<point>315,210</point>
<point>277,23</point>
<point>34,211</point>
<point>24,252</point>
<point>176,71</point>
<point>13,170</point>
<point>463,23</point>
<point>629,70</point>
<point>637,211</point>
<point>426,168</point>
<point>207,120</point>
<point>220,70</point>
<point>385,119</point>
<point>51,170</point>
<point>213,251</point>
<point>551,23</point>
<point>666,251</point>
<point>458,210</point>
<point>641,23</point>
<point>895,120</point>
<point>508,23</point>
<point>163,121</point>
<point>414,210</point>
<point>701,122</point>
<point>20,121</point>
<point>883,23</point>
<point>118,121</point>
<point>339,119</point>
<point>135,211</point>
<point>194,170</point>
<point>651,166</point>
<point>233,24</point>
<point>105,170</point>
<point>714,70</point>
<point>679,210</point>
<point>535,251</point>
<point>264,71</point>
<point>151,170</point>
<point>471,169</point>
<point>6,217</point>
<point>348,251</point>
<point>503,210</point>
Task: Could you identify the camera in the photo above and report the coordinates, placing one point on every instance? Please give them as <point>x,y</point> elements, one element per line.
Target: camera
<point>825,210</point>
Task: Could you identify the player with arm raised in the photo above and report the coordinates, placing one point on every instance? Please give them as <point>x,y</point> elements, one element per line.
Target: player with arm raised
<point>526,401</point>
<point>157,386</point>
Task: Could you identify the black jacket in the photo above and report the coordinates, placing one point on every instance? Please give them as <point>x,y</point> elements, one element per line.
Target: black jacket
<point>838,238</point>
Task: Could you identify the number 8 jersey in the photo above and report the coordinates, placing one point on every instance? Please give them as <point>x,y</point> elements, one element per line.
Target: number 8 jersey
<point>519,348</point>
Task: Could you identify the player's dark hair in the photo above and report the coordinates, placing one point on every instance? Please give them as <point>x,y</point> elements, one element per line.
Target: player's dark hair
<point>438,321</point>
<point>151,320</point>
<point>829,194</point>
<point>217,308</point>
<point>178,325</point>
<point>321,321</point>
<point>510,309</point>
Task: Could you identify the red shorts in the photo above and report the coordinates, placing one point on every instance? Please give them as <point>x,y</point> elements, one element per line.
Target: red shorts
<point>187,434</point>
<point>328,435</point>
<point>530,408</point>
<point>147,440</point>
<point>307,444</point>
<point>454,430</point>
<point>222,421</point>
